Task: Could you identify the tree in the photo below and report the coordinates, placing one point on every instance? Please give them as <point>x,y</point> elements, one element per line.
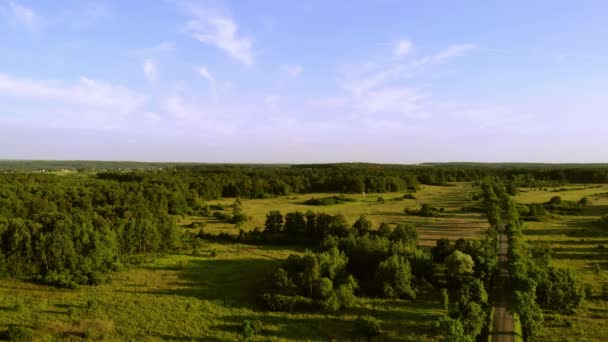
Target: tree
<point>453,330</point>
<point>274,222</point>
<point>385,230</point>
<point>395,276</point>
<point>459,263</point>
<point>295,223</point>
<point>529,312</point>
<point>443,248</point>
<point>363,225</point>
<point>406,233</point>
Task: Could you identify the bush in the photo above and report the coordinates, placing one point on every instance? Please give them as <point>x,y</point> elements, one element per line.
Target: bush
<point>250,328</point>
<point>19,307</point>
<point>409,196</point>
<point>91,304</point>
<point>17,333</point>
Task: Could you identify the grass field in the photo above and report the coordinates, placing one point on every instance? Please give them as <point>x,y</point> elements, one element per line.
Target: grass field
<point>454,224</point>
<point>579,243</point>
<point>201,298</point>
<point>186,297</point>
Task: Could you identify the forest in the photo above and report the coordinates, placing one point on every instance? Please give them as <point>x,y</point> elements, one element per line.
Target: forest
<point>80,227</point>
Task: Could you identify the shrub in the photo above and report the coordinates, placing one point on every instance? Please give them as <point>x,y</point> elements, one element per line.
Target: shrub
<point>91,304</point>
<point>250,328</point>
<point>17,333</point>
<point>19,307</point>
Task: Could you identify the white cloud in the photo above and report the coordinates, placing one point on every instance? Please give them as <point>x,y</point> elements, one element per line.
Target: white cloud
<point>150,69</point>
<point>383,87</point>
<point>403,48</point>
<point>86,94</point>
<point>294,70</point>
<point>24,16</point>
<point>220,31</point>
<point>204,73</point>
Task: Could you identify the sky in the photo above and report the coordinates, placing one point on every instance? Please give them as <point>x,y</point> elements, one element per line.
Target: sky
<point>274,81</point>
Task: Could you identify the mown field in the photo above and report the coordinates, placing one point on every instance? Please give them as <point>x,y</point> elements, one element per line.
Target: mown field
<point>205,295</point>
<point>577,242</point>
<point>453,224</point>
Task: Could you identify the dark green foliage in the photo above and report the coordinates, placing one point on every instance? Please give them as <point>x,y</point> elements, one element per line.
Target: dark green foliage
<point>328,200</point>
<point>394,276</point>
<point>405,233</point>
<point>362,225</point>
<point>17,333</point>
<point>250,328</point>
<point>425,211</point>
<point>459,264</point>
<point>367,326</point>
<point>452,330</point>
<point>274,222</point>
<point>385,230</point>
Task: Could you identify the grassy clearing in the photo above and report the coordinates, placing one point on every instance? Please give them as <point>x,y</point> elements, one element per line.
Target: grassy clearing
<point>454,224</point>
<point>578,243</point>
<point>186,297</point>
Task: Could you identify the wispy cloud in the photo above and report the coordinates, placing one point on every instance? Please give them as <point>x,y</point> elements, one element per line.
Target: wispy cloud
<point>384,87</point>
<point>221,31</point>
<point>150,69</point>
<point>23,15</point>
<point>294,70</point>
<point>402,48</point>
<point>204,73</point>
<point>76,100</point>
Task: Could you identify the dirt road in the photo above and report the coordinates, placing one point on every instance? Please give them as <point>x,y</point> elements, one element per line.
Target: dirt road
<point>503,329</point>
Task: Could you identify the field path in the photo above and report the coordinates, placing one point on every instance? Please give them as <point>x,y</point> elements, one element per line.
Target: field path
<point>503,325</point>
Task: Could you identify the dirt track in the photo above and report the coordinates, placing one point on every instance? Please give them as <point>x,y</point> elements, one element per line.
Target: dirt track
<point>503,329</point>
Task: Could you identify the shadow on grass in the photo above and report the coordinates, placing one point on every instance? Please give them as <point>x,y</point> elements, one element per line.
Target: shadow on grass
<point>229,281</point>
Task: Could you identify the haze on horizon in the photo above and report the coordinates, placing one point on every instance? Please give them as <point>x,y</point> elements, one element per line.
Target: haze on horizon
<point>297,82</point>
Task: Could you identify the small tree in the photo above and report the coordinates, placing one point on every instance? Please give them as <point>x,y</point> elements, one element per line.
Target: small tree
<point>363,225</point>
<point>274,222</point>
<point>459,263</point>
<point>445,299</point>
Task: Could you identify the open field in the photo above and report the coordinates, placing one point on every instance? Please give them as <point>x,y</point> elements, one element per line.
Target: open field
<point>195,298</point>
<point>454,224</point>
<point>576,242</point>
<point>200,297</point>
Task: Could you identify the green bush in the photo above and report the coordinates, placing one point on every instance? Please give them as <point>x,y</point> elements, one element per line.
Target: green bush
<point>17,333</point>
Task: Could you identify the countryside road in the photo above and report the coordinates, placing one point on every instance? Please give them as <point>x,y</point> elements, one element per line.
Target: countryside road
<point>503,325</point>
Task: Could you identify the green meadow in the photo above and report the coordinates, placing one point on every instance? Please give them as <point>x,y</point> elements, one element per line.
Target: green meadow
<point>205,293</point>
<point>579,243</point>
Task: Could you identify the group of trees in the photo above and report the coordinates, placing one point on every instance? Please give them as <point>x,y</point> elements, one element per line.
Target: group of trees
<point>378,263</point>
<point>69,231</point>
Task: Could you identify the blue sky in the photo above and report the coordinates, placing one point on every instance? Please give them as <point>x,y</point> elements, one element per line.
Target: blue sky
<point>304,81</point>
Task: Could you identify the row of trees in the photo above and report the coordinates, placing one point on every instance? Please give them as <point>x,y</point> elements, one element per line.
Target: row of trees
<point>536,284</point>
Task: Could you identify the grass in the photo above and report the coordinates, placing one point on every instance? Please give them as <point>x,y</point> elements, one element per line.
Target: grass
<point>576,242</point>
<point>185,297</point>
<point>454,224</point>
<point>201,297</point>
